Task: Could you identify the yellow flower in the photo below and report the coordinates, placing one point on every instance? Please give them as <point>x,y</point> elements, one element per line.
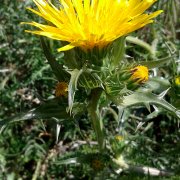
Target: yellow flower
<point>140,74</point>
<point>91,23</point>
<point>177,80</point>
<point>61,89</point>
<point>119,138</point>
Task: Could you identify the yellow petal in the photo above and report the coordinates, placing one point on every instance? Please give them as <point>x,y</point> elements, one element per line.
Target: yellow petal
<point>91,23</point>
<point>66,48</point>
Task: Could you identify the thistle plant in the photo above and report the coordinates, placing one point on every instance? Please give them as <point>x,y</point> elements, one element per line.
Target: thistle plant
<point>92,41</point>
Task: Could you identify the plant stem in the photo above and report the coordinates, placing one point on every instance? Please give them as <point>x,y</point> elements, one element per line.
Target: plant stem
<point>37,171</point>
<point>95,116</point>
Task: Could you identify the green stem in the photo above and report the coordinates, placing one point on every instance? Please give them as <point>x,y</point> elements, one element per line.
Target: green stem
<point>95,116</point>
<point>37,171</point>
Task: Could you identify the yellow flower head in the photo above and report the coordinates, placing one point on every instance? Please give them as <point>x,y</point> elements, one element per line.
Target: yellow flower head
<point>140,74</point>
<point>91,23</point>
<point>177,80</point>
<point>61,89</point>
<point>119,138</point>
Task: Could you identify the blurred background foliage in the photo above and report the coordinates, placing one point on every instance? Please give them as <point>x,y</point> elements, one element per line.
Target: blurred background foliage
<point>32,150</point>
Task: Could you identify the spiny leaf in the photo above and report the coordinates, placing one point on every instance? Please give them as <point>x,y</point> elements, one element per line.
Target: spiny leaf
<point>157,84</point>
<point>50,109</point>
<point>57,68</point>
<point>157,63</point>
<point>73,87</point>
<point>53,108</point>
<point>118,51</point>
<point>144,97</point>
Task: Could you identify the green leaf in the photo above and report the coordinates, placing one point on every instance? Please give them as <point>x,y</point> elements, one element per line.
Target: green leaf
<point>71,61</point>
<point>157,63</point>
<point>74,160</point>
<point>53,108</point>
<point>118,51</point>
<point>57,68</point>
<point>75,74</point>
<point>145,97</point>
<point>158,84</point>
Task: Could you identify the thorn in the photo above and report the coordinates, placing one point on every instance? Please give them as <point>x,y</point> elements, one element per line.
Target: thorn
<point>139,126</point>
<point>152,115</point>
<point>155,108</point>
<point>161,96</point>
<point>148,106</point>
<point>58,129</point>
<point>178,113</point>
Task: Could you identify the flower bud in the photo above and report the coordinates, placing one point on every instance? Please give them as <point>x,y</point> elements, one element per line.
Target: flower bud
<point>119,138</point>
<point>177,81</point>
<point>139,74</point>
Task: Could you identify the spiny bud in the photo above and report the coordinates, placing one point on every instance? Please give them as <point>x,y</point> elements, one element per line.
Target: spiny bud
<point>123,80</point>
<point>61,89</point>
<point>139,74</point>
